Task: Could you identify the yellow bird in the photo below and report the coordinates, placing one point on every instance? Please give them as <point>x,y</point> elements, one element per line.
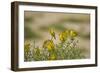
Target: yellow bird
<point>52,33</point>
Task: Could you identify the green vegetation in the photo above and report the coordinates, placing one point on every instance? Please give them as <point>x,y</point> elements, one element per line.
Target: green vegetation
<point>67,48</point>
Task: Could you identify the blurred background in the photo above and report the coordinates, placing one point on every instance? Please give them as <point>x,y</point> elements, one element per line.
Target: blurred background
<point>37,24</point>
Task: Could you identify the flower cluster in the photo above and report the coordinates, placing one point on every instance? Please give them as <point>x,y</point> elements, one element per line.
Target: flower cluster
<point>67,34</point>
<point>66,49</point>
<point>49,44</point>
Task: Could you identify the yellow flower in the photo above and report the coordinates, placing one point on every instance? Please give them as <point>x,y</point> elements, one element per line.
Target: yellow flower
<point>63,36</point>
<point>51,31</point>
<point>73,33</point>
<point>52,57</point>
<point>27,47</point>
<point>49,44</point>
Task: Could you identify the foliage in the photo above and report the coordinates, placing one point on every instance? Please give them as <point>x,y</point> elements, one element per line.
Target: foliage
<point>67,48</point>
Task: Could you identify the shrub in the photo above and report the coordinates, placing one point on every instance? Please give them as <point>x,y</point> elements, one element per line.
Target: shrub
<point>67,48</point>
